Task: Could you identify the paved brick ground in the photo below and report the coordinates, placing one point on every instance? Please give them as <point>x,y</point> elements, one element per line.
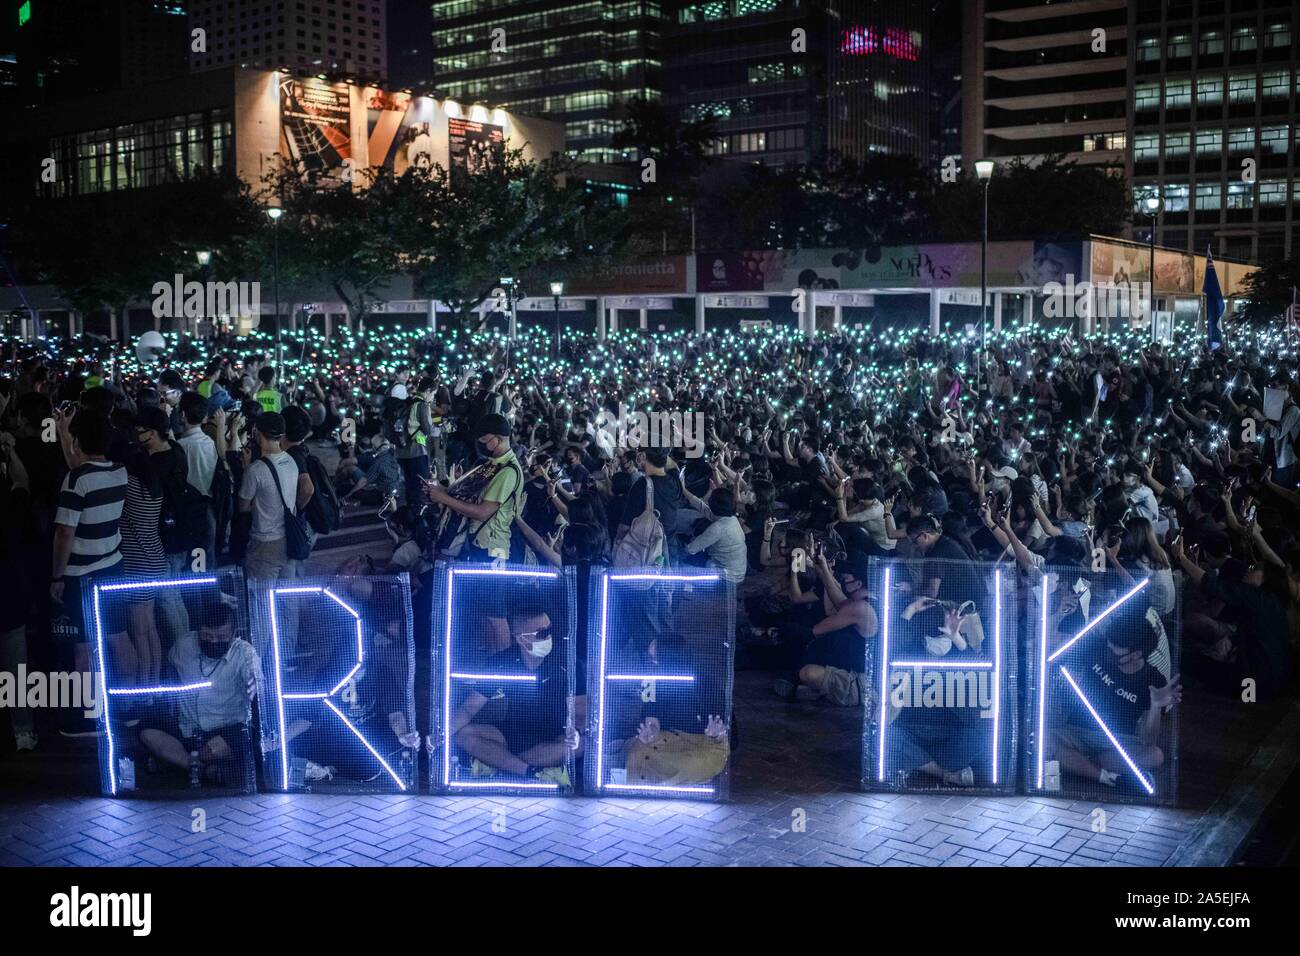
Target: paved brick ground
<point>797,762</point>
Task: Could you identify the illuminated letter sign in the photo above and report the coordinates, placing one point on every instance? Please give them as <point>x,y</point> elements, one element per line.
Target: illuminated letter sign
<point>502,695</point>
<point>341,669</point>
<point>660,665</point>
<point>924,698</point>
<point>179,695</point>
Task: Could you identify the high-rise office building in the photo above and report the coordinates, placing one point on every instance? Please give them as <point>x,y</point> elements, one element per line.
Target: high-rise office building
<point>757,68</point>
<point>315,36</point>
<point>1213,119</point>
<point>576,61</point>
<point>1042,78</point>
<point>878,78</point>
<point>59,51</point>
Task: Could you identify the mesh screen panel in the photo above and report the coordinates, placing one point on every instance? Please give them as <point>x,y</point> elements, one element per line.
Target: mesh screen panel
<point>504,675</point>
<point>1098,649</point>
<point>338,656</point>
<point>943,706</point>
<point>659,693</point>
<point>178,712</point>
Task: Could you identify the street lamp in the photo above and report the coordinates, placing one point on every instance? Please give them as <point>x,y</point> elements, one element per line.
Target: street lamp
<point>983,170</point>
<point>557,290</point>
<point>204,257</point>
<point>275,212</point>
<point>1152,206</point>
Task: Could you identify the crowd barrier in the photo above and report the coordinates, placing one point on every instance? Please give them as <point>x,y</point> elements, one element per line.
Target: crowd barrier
<point>180,718</point>
<point>943,678</point>
<point>338,661</point>
<point>659,665</point>
<point>502,698</point>
<point>1059,682</point>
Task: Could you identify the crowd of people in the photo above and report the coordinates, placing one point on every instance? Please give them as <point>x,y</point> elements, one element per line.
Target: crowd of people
<point>1085,466</point>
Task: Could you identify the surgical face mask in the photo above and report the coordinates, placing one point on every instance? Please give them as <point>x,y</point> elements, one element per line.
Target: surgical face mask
<point>543,647</point>
<point>938,646</point>
<point>215,650</point>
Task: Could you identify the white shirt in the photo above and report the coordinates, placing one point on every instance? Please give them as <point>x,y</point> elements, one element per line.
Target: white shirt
<point>200,456</point>
<point>258,486</point>
<point>1288,428</point>
<point>398,391</point>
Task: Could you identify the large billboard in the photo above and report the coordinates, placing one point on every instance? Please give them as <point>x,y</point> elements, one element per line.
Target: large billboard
<point>315,123</point>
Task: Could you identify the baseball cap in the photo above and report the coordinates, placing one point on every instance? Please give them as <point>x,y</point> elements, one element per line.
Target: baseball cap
<point>493,425</point>
<point>270,424</point>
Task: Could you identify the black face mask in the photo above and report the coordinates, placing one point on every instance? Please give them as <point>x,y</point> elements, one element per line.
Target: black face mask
<point>214,650</point>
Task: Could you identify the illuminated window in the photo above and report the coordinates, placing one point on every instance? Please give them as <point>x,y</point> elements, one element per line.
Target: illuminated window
<point>1180,45</point>
<point>1209,196</point>
<point>1277,36</point>
<point>1275,84</point>
<point>1175,197</point>
<point>1146,96</point>
<point>1177,144</point>
<point>1273,139</point>
<point>1148,49</point>
<point>1146,146</point>
<point>1272,192</point>
<point>1241,140</point>
<point>1209,142</point>
<point>1241,89</point>
<point>1244,39</point>
<point>1211,42</point>
<point>1240,195</point>
<point>1178,94</point>
<point>1209,90</point>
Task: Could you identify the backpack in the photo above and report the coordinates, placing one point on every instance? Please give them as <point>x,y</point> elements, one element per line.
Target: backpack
<point>323,512</point>
<point>396,416</point>
<point>643,545</point>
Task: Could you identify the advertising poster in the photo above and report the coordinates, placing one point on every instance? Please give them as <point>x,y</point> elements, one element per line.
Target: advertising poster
<point>727,272</point>
<point>469,143</point>
<point>387,126</point>
<point>657,275</point>
<point>315,123</point>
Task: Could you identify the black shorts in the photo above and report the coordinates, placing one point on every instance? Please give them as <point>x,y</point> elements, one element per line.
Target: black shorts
<point>72,620</point>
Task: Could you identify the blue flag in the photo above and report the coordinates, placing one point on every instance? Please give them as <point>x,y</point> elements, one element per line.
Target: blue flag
<point>1213,302</point>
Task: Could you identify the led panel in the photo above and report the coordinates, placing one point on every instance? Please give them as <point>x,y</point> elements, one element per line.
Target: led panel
<point>503,714</point>
<point>339,662</point>
<point>1099,647</point>
<point>179,719</point>
<point>660,652</point>
<point>944,709</point>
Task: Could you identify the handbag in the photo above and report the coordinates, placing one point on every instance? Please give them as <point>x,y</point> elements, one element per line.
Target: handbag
<point>299,538</point>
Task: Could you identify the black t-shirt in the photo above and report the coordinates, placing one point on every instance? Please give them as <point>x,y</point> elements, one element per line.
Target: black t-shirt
<point>537,708</point>
<point>668,501</point>
<point>958,578</point>
<point>1121,699</point>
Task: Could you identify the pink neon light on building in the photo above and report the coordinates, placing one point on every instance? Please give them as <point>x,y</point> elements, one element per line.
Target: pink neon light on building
<point>893,42</point>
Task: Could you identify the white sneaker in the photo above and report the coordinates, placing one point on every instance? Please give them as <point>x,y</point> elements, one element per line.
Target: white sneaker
<point>25,741</point>
<point>315,771</point>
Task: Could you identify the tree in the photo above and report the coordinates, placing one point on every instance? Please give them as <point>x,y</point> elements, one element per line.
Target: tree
<point>1271,289</point>
<point>1050,199</point>
<point>501,215</point>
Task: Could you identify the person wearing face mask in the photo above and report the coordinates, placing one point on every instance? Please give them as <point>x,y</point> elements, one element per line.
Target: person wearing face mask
<point>209,726</point>
<point>524,728</point>
<point>1139,497</point>
<point>374,474</point>
<point>480,507</point>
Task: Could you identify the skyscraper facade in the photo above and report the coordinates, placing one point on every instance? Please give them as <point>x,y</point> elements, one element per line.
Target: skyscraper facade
<point>576,61</point>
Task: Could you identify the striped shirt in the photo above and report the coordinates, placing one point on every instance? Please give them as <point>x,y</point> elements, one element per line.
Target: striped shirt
<point>91,501</point>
